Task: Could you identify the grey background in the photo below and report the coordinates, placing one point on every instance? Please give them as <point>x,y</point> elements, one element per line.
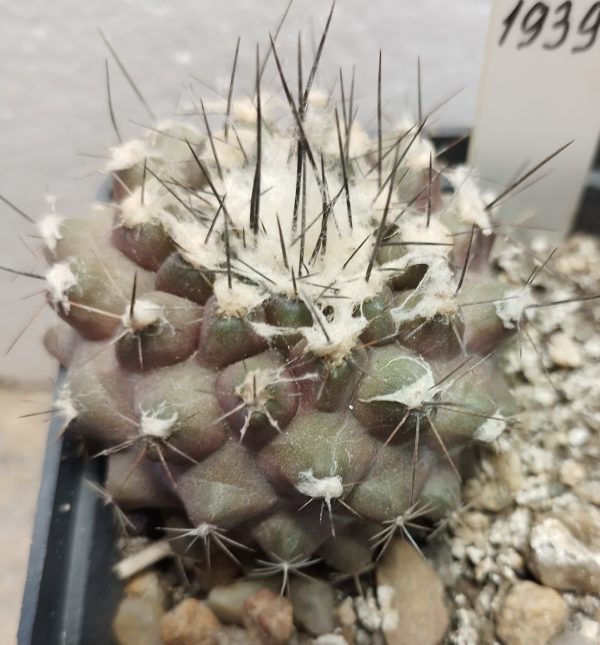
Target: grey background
<point>53,107</point>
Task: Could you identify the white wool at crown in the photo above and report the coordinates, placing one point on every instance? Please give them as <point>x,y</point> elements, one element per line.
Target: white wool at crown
<point>278,185</point>
<point>262,255</point>
<point>257,261</point>
<point>260,259</point>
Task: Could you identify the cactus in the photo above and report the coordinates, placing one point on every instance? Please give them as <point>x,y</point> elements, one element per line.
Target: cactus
<point>283,327</point>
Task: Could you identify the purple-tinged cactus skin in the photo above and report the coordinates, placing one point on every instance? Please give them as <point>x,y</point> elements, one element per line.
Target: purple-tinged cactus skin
<point>283,328</point>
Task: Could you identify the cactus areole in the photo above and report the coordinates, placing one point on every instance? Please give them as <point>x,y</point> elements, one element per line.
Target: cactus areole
<point>282,326</point>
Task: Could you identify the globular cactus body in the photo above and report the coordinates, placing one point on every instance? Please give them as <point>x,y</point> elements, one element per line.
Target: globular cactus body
<point>283,329</point>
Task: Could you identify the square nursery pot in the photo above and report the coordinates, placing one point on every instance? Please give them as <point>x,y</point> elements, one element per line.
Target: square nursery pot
<point>71,593</point>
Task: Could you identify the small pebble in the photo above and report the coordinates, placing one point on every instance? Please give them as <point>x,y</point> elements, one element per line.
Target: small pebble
<point>531,615</point>
<point>578,437</point>
<point>590,629</point>
<point>563,351</point>
<point>592,347</point>
<point>411,596</point>
<point>571,638</point>
<point>235,636</point>
<point>190,622</point>
<point>137,621</point>
<point>330,639</point>
<point>562,561</point>
<point>146,585</point>
<point>222,570</point>
<point>227,601</point>
<point>269,617</point>
<point>571,472</point>
<point>589,491</point>
<point>583,520</point>
<point>345,612</point>
<point>367,611</point>
<point>489,496</point>
<point>314,605</point>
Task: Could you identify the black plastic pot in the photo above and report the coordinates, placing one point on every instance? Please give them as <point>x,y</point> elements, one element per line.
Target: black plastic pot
<point>71,593</point>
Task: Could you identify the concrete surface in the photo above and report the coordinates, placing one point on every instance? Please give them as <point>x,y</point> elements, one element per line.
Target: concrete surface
<point>22,444</point>
<point>53,107</point>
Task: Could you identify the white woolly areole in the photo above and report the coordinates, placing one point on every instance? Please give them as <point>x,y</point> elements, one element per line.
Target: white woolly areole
<point>468,203</point>
<point>342,334</point>
<point>254,390</point>
<point>511,308</point>
<point>318,98</point>
<point>227,149</point>
<point>434,295</point>
<point>413,228</point>
<point>238,300</point>
<point>203,530</point>
<point>165,151</point>
<point>491,429</point>
<point>127,155</point>
<point>49,228</point>
<point>419,154</point>
<point>153,423</point>
<point>244,110</point>
<point>170,137</point>
<point>417,150</point>
<point>134,212</point>
<point>64,406</point>
<point>190,238</point>
<point>412,395</point>
<point>145,313</point>
<point>342,338</point>
<point>60,279</point>
<point>327,488</point>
